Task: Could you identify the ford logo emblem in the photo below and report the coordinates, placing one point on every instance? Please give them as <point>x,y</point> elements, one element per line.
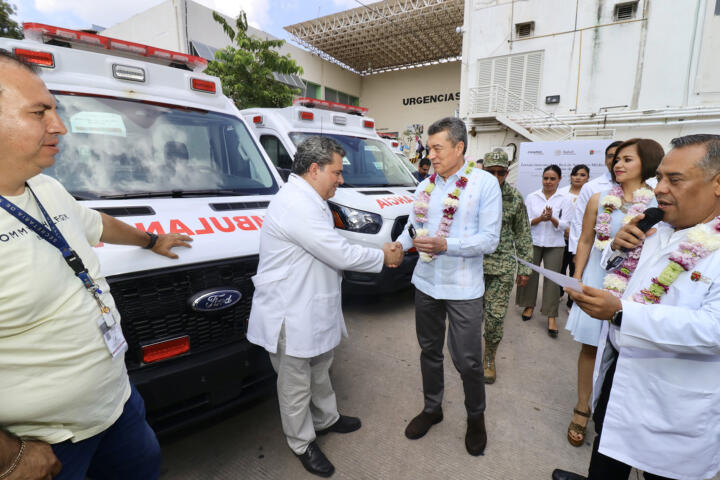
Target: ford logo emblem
<point>213,300</point>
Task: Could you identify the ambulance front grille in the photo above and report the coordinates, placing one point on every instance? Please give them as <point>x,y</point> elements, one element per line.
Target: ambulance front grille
<point>155,305</point>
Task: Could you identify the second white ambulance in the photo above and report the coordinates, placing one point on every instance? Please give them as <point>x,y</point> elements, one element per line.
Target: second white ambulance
<point>373,205</point>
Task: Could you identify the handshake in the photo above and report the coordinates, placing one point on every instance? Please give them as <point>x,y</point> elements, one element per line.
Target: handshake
<point>393,254</point>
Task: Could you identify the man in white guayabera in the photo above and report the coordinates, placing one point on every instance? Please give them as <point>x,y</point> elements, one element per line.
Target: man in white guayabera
<point>456,220</point>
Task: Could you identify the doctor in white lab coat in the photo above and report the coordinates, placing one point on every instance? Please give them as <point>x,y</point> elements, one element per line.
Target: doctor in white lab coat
<point>296,310</point>
<point>656,396</point>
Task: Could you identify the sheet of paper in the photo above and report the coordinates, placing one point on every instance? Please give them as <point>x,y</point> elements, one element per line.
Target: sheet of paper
<point>559,278</point>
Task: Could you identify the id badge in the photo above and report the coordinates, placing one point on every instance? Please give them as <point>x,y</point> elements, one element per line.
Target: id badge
<point>113,336</point>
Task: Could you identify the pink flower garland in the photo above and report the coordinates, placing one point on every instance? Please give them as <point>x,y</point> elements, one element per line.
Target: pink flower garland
<point>700,242</point>
<point>611,202</point>
<point>450,205</point>
<point>616,281</point>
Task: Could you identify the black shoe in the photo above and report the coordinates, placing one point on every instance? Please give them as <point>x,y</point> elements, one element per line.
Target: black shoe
<point>476,436</point>
<point>565,475</point>
<point>420,425</point>
<point>553,332</point>
<point>342,425</point>
<point>315,461</point>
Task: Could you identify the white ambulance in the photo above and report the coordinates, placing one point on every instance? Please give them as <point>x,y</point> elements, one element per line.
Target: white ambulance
<point>373,205</point>
<point>394,146</point>
<point>154,142</point>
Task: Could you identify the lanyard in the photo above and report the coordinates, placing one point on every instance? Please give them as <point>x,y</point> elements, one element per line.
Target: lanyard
<point>53,236</point>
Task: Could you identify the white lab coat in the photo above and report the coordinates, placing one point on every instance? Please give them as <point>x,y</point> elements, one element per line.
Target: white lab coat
<point>663,415</point>
<point>298,282</point>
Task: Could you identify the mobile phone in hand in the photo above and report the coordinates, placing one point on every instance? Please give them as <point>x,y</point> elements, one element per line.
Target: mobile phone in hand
<point>412,232</point>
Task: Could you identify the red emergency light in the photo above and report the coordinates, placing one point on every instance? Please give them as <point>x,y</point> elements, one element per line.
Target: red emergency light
<point>42,32</point>
<point>328,105</point>
<point>258,120</point>
<point>306,115</point>
<point>166,349</point>
<point>203,85</point>
<point>368,124</point>
<point>395,144</point>
<point>41,59</point>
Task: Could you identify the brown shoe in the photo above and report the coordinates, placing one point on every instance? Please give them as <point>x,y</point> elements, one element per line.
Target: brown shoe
<point>476,436</point>
<point>489,368</point>
<point>577,429</point>
<point>420,425</point>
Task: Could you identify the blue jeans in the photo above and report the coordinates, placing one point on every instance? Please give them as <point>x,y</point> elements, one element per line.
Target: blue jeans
<point>128,449</point>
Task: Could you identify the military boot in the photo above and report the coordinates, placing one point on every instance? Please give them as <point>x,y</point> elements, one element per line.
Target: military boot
<point>489,362</point>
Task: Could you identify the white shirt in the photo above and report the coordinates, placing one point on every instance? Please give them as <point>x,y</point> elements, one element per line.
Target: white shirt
<point>457,274</point>
<point>58,379</point>
<point>545,234</point>
<point>302,257</point>
<point>573,198</point>
<point>663,415</point>
<point>566,191</point>
<point>599,184</point>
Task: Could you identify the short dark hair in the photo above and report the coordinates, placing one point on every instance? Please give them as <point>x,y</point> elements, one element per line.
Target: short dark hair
<point>11,58</point>
<point>425,162</point>
<point>554,168</point>
<point>579,167</point>
<point>711,162</point>
<point>455,128</point>
<point>650,152</point>
<point>612,145</point>
<point>315,149</point>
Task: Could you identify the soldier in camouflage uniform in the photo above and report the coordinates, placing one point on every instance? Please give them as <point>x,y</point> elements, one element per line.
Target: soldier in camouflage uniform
<point>499,267</point>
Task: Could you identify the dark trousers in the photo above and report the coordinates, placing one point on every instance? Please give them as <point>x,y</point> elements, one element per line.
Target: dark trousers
<point>603,467</point>
<point>567,264</point>
<point>126,450</point>
<point>464,343</point>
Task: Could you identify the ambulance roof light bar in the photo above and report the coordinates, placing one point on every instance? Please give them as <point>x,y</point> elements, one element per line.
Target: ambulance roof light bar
<point>328,105</point>
<point>42,33</point>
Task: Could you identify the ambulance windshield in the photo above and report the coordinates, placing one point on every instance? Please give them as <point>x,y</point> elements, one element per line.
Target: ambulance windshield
<point>368,162</point>
<point>122,148</point>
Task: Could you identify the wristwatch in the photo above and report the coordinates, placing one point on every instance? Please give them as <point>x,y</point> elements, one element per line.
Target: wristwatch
<point>616,318</point>
<point>152,242</point>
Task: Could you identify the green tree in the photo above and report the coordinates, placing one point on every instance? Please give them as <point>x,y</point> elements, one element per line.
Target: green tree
<point>8,26</point>
<point>246,68</point>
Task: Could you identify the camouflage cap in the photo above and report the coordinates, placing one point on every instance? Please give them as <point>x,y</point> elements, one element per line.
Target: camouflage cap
<point>496,158</point>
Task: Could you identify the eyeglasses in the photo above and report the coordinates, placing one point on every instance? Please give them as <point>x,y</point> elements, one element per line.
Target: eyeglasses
<point>500,172</point>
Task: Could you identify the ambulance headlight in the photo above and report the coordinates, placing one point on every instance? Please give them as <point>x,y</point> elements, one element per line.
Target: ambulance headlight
<point>353,220</point>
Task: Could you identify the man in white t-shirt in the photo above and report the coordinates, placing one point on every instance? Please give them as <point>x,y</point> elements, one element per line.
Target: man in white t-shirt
<point>68,410</point>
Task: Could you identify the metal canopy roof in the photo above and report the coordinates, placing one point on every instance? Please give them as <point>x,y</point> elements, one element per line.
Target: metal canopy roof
<point>386,35</point>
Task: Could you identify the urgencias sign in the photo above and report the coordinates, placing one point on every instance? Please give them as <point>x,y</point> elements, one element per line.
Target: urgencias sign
<point>442,97</point>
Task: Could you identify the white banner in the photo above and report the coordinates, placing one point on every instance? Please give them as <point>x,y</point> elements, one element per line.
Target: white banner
<point>535,156</point>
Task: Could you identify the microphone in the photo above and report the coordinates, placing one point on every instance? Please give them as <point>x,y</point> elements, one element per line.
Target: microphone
<point>652,216</point>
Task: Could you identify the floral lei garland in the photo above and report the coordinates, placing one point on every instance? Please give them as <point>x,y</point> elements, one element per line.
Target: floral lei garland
<point>611,202</point>
<point>701,241</point>
<point>616,281</point>
<point>450,205</point>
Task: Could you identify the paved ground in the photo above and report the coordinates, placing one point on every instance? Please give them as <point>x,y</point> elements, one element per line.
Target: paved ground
<point>376,377</point>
